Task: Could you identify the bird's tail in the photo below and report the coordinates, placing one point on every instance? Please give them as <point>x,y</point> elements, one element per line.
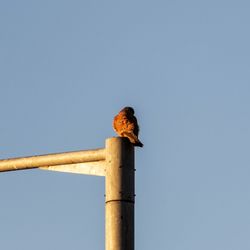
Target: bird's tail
<point>133,139</point>
<point>138,143</point>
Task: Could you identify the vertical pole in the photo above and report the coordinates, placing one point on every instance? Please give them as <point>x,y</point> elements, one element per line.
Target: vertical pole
<point>120,198</point>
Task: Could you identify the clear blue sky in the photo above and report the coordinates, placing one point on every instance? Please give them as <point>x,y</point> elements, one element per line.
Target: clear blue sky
<point>67,67</point>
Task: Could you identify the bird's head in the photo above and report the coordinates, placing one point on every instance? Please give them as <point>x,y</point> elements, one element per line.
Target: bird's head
<point>128,110</point>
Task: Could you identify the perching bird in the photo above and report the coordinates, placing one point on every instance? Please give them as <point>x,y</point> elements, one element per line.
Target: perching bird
<point>125,125</point>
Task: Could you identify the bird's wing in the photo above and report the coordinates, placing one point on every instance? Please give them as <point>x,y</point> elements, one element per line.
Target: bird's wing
<point>122,123</point>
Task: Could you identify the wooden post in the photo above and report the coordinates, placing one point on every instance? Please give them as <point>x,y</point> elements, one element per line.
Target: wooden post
<point>120,194</point>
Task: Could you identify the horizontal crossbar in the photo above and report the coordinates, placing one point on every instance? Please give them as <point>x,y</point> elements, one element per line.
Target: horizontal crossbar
<point>52,160</point>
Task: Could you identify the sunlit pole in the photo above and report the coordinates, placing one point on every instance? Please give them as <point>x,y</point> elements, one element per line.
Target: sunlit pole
<point>116,163</point>
<point>120,194</point>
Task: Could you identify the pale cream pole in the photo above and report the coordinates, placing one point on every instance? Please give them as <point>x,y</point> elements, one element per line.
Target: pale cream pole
<point>116,163</point>
<point>37,161</point>
<point>120,194</point>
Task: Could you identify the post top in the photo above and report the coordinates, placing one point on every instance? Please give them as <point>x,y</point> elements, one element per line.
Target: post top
<point>117,140</point>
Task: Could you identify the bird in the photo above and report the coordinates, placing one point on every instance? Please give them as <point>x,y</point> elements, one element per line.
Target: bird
<point>125,125</point>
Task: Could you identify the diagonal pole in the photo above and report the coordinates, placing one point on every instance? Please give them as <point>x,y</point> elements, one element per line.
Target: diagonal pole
<point>52,160</point>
